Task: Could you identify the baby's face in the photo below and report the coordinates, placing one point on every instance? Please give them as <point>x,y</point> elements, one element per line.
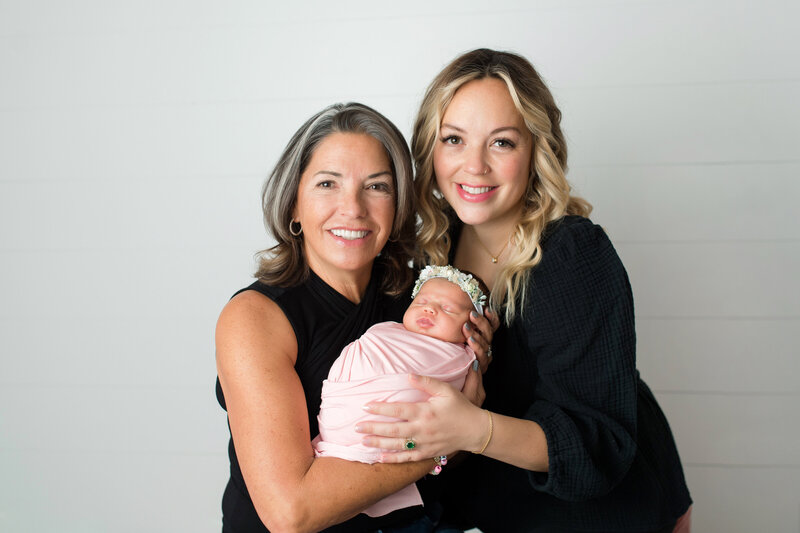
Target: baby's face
<point>440,310</point>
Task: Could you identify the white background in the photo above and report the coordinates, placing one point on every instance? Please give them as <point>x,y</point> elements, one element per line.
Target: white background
<point>134,138</point>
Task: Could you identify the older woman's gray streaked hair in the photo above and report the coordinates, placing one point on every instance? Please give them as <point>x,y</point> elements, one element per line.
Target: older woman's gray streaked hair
<point>284,264</point>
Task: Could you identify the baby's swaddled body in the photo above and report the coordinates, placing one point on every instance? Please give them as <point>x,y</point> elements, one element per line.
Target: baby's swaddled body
<point>375,368</point>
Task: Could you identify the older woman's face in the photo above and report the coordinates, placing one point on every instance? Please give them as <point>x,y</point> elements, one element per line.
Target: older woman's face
<point>345,204</point>
<point>482,160</point>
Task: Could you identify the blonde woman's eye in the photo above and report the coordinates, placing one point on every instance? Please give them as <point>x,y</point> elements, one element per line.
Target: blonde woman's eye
<point>504,143</point>
<point>451,139</point>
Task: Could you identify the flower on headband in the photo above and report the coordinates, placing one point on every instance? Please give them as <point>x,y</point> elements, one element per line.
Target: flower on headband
<point>466,282</point>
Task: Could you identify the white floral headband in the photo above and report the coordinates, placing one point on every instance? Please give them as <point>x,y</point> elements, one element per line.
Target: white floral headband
<point>466,282</point>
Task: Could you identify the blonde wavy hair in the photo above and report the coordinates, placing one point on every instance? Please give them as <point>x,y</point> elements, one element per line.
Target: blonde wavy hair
<point>548,196</point>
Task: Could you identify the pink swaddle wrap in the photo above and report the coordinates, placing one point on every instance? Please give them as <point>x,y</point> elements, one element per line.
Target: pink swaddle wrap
<point>375,368</point>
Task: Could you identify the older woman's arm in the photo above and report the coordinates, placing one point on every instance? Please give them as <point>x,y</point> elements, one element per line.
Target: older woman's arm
<point>290,488</point>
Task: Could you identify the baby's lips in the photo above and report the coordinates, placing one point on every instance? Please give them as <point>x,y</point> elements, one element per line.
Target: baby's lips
<point>425,322</point>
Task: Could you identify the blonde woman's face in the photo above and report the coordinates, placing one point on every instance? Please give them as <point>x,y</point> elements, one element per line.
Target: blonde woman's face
<point>482,158</point>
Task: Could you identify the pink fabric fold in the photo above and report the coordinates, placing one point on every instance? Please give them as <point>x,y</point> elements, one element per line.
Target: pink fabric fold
<point>375,368</point>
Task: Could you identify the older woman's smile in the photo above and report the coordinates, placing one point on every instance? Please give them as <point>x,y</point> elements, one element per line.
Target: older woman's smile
<point>349,234</point>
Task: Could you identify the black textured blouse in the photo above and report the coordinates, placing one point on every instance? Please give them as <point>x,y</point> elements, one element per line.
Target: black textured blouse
<point>568,363</point>
<point>324,322</point>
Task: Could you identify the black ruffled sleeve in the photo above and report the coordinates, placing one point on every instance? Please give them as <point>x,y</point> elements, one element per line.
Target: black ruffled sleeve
<point>579,325</point>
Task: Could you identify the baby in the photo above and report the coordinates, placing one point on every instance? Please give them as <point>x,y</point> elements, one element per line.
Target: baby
<point>376,366</point>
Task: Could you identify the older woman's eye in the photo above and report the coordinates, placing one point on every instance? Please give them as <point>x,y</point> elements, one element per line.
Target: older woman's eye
<point>326,184</point>
<point>380,186</point>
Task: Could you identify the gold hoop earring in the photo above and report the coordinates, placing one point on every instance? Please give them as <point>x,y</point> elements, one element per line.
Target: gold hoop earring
<point>291,222</point>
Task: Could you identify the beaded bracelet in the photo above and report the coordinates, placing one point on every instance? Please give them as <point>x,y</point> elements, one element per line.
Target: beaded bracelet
<point>440,461</point>
<point>489,438</point>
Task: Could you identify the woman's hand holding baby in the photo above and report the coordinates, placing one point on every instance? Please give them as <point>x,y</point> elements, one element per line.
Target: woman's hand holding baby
<point>448,422</point>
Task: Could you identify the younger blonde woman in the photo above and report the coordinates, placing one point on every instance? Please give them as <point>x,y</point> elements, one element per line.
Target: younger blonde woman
<point>570,438</point>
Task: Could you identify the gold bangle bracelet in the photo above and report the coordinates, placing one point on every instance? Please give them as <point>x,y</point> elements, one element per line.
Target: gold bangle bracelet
<point>488,438</point>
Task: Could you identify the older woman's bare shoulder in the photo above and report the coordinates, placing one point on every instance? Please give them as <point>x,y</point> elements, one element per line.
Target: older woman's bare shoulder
<point>252,322</point>
<point>251,307</point>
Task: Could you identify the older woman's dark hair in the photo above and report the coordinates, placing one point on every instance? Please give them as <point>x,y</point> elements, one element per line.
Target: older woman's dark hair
<point>284,264</point>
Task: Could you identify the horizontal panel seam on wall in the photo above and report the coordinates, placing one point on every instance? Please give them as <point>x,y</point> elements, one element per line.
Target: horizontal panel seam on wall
<point>141,179</point>
<point>789,394</point>
<point>196,453</point>
<point>723,163</point>
<point>762,318</point>
<point>214,246</point>
<point>280,21</point>
<point>188,315</point>
<point>171,248</point>
<point>636,242</point>
<point>222,176</point>
<point>417,95</point>
<point>705,83</point>
<point>107,451</point>
<point>656,318</point>
<point>184,104</point>
<point>102,316</point>
<point>122,387</point>
<point>732,465</point>
<point>113,386</point>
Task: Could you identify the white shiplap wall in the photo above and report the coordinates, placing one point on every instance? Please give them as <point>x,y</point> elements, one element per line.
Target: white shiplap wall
<point>134,137</point>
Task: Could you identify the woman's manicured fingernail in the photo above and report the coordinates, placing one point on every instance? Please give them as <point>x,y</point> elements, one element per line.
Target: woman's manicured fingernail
<point>466,325</point>
<point>367,407</point>
<point>475,365</point>
<point>472,339</point>
<point>358,429</point>
<point>473,314</point>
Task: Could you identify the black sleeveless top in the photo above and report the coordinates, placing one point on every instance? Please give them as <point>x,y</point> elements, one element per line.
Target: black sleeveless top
<point>324,322</point>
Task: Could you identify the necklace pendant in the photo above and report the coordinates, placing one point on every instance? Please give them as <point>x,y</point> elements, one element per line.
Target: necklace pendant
<point>494,260</point>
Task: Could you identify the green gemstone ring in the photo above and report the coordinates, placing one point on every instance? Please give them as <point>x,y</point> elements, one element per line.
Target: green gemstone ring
<point>409,444</point>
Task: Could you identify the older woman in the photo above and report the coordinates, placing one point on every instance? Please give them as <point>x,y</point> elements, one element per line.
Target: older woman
<point>570,439</point>
<point>340,206</point>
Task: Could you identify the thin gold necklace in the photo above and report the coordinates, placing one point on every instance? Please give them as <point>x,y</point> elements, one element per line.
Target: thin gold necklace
<point>494,257</point>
